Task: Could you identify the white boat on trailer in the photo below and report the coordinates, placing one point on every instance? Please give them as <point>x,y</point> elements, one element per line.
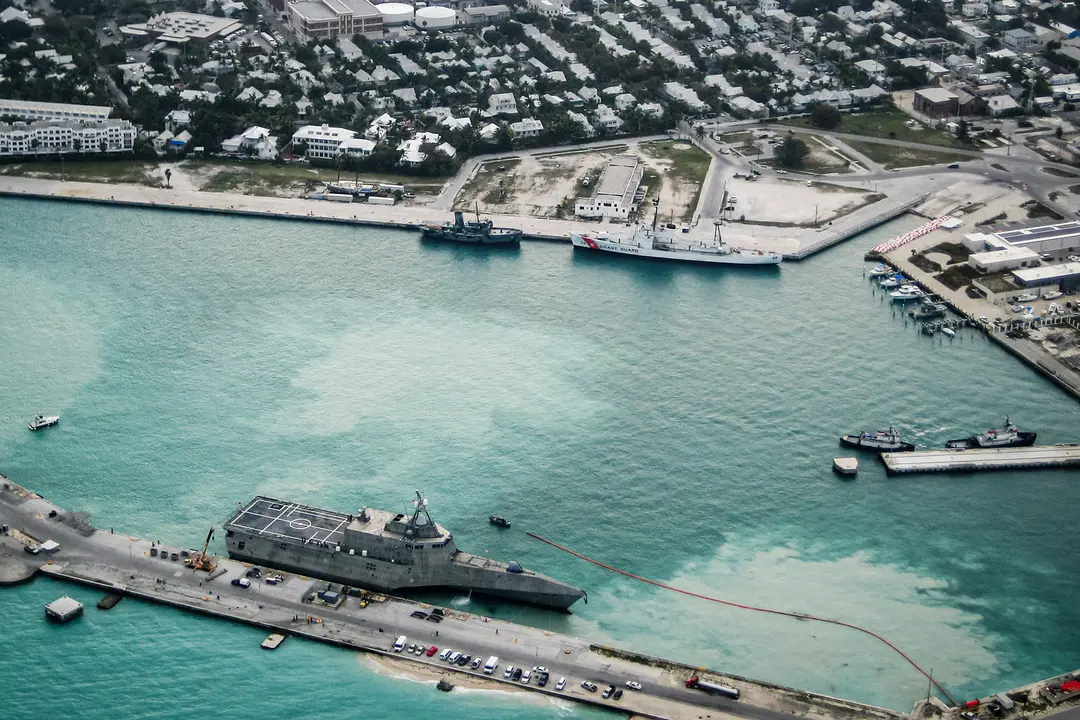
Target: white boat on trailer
<point>663,244</point>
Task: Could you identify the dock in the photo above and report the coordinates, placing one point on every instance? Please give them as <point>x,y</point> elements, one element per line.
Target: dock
<point>1017,458</point>
<point>272,641</point>
<point>122,564</point>
<point>63,609</point>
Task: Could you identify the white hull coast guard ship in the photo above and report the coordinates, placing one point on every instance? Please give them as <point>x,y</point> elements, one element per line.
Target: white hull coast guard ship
<point>667,245</point>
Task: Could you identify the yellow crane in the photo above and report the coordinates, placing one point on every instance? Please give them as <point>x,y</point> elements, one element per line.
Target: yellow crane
<point>202,561</point>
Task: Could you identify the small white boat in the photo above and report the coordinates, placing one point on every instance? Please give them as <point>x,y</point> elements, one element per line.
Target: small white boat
<point>1052,295</point>
<point>893,282</point>
<point>1027,297</point>
<point>43,421</point>
<point>948,331</point>
<point>905,293</point>
<point>879,271</point>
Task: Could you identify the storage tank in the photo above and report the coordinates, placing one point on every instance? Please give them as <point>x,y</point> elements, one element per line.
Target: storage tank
<point>395,13</point>
<point>435,18</point>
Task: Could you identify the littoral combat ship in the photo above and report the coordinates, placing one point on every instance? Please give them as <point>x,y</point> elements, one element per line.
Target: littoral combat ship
<point>379,550</point>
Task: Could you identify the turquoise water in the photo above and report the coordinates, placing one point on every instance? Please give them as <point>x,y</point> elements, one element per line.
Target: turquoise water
<point>675,421</point>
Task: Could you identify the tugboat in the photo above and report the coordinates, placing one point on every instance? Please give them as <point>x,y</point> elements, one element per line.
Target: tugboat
<point>880,441</point>
<point>481,232</point>
<point>43,421</point>
<point>1008,436</point>
<point>499,521</point>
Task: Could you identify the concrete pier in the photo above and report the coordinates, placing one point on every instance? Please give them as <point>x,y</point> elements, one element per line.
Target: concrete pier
<point>122,564</point>
<point>1018,458</point>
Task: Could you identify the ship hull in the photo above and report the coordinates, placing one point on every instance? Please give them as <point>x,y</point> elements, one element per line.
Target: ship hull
<point>857,443</point>
<point>535,590</point>
<point>1024,439</point>
<point>503,238</point>
<point>736,257</point>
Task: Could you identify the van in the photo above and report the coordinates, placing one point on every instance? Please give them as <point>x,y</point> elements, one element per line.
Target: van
<point>400,644</point>
<point>445,654</point>
<point>453,657</point>
<point>491,664</point>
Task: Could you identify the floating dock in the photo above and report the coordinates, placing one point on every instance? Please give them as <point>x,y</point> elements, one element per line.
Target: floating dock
<point>63,609</point>
<point>846,466</point>
<point>272,641</point>
<point>1017,458</point>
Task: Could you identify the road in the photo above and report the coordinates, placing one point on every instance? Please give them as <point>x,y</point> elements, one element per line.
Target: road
<point>111,560</point>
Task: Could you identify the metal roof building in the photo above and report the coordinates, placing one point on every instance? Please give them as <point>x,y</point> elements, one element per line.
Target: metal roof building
<point>1065,275</point>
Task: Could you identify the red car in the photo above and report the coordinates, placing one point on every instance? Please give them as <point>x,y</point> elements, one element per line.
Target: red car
<point>432,650</point>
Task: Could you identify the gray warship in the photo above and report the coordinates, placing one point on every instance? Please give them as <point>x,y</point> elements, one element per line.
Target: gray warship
<point>380,550</point>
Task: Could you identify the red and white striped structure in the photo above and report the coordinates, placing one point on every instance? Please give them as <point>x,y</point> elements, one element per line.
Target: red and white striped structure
<point>909,236</point>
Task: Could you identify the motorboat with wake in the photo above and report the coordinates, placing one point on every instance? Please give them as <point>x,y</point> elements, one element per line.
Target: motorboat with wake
<point>1008,436</point>
<point>880,441</point>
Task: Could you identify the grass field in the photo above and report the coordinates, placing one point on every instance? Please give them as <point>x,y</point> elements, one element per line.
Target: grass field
<point>886,123</point>
<point>135,173</point>
<point>897,157</point>
<point>687,168</point>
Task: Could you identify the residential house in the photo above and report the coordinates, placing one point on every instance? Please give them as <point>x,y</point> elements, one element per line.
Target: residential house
<point>255,141</point>
<point>502,104</point>
<point>529,127</point>
<point>1020,40</point>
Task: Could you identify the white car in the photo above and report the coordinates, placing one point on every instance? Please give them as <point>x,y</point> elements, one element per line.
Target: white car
<point>561,685</point>
<point>633,684</point>
<point>525,677</point>
<point>508,672</point>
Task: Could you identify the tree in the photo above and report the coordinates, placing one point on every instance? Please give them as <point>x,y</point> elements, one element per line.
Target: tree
<point>699,131</point>
<point>791,152</point>
<point>825,116</point>
<point>962,130</point>
<point>1058,132</point>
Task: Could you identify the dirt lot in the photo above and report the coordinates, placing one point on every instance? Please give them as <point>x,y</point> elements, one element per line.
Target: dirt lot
<point>779,201</point>
<point>534,185</point>
<point>546,185</point>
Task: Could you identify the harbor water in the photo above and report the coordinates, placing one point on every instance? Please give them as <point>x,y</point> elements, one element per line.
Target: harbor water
<point>675,421</point>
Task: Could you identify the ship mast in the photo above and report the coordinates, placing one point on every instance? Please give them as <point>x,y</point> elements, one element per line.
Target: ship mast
<point>656,211</point>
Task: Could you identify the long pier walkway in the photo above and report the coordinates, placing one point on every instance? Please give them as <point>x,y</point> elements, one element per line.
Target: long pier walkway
<point>1017,458</point>
<point>121,564</point>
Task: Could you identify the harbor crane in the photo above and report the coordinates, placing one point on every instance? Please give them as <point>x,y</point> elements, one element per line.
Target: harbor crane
<point>202,561</point>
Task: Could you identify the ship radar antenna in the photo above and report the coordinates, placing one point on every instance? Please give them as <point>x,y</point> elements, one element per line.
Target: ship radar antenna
<point>420,506</point>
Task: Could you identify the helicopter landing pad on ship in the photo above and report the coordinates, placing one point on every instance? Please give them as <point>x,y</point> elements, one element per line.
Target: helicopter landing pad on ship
<point>274,518</point>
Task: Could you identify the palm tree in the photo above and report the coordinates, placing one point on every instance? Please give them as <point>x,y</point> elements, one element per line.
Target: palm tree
<point>103,145</point>
<point>699,131</point>
<point>168,177</point>
<point>35,143</point>
<point>76,144</point>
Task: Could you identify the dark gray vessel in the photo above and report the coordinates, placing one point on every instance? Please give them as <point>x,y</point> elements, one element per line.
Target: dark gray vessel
<point>379,550</point>
<point>481,232</point>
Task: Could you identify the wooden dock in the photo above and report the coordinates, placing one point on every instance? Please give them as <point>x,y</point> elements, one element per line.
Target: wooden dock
<point>1017,458</point>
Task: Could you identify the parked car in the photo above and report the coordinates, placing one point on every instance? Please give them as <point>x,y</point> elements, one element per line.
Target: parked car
<point>432,650</point>
<point>445,654</point>
<point>475,664</point>
<point>509,672</point>
<point>241,582</point>
<point>617,694</point>
<point>633,684</point>
<point>590,686</point>
<point>517,674</point>
<point>561,685</point>
<point>526,677</point>
<point>464,659</point>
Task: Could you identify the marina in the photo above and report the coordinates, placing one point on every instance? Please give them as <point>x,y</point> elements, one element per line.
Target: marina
<point>1013,458</point>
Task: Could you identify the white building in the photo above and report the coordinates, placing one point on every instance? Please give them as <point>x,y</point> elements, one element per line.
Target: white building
<point>32,110</point>
<point>323,142</point>
<point>1019,40</point>
<point>529,127</point>
<point>52,137</point>
<point>180,27</point>
<point>357,147</point>
<point>615,190</point>
<point>312,19</point>
<point>502,104</point>
<point>255,140</point>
